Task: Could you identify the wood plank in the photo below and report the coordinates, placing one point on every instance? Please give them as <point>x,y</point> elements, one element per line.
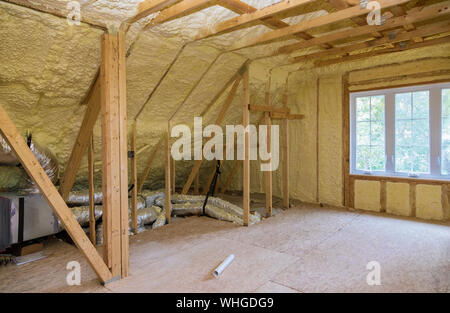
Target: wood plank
<point>268,174</point>
<point>241,7</point>
<point>276,115</point>
<point>338,16</point>
<point>248,18</point>
<point>134,191</point>
<point>285,147</point>
<point>124,221</point>
<point>167,205</point>
<point>398,48</point>
<point>148,7</point>
<point>91,192</point>
<point>428,30</point>
<point>268,108</point>
<point>345,140</point>
<point>413,16</point>
<point>32,166</point>
<point>180,9</point>
<point>412,198</point>
<point>172,172</point>
<point>149,164</point>
<point>246,161</point>
<point>383,199</point>
<point>82,141</point>
<point>394,179</point>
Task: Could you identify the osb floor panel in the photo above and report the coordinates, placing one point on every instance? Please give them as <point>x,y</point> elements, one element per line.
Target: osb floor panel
<point>304,249</point>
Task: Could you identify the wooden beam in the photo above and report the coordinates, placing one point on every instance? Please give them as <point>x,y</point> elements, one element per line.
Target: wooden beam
<point>313,23</point>
<point>413,16</point>
<point>168,204</point>
<point>124,222</point>
<point>268,174</point>
<point>281,116</point>
<point>54,199</point>
<point>246,161</point>
<point>180,9</point>
<point>91,191</point>
<point>250,17</point>
<point>149,164</point>
<point>241,7</point>
<point>134,191</point>
<point>148,7</point>
<point>285,148</point>
<point>398,48</point>
<point>172,172</point>
<point>219,120</point>
<point>82,141</point>
<point>114,154</point>
<point>394,37</point>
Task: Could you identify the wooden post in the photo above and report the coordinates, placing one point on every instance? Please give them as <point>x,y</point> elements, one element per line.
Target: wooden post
<point>172,172</point>
<point>168,204</point>
<point>285,145</point>
<point>134,192</point>
<point>91,191</point>
<point>114,154</point>
<point>268,174</point>
<point>246,161</point>
<point>54,199</point>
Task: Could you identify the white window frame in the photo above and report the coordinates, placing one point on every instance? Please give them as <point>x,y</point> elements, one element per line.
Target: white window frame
<point>435,130</point>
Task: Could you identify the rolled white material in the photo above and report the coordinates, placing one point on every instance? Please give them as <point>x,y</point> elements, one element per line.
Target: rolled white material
<point>223,265</point>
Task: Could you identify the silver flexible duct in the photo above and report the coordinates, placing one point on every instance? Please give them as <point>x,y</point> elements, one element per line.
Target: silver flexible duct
<point>14,178</point>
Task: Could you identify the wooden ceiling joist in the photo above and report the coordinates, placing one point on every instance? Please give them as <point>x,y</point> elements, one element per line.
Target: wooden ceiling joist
<point>247,18</point>
<point>394,37</point>
<point>314,23</point>
<point>240,7</point>
<point>148,7</point>
<point>180,9</point>
<point>413,16</point>
<point>402,46</point>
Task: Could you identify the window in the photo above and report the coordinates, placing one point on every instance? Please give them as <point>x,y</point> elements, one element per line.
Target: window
<point>401,132</point>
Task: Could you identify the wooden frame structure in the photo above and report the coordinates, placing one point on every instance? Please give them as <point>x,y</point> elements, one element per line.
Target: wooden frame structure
<point>108,96</point>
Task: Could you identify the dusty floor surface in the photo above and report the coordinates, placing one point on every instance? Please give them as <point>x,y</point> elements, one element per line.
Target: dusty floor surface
<point>304,249</point>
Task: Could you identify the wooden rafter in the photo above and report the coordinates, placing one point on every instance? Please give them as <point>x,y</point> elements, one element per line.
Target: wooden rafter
<point>398,48</point>
<point>82,141</point>
<point>180,9</point>
<point>392,38</point>
<point>148,7</point>
<point>241,7</point>
<point>91,191</point>
<point>313,23</point>
<point>247,18</point>
<point>54,199</point>
<point>413,16</point>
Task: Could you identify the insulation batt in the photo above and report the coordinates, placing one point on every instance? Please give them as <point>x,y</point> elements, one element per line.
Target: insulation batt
<point>81,214</point>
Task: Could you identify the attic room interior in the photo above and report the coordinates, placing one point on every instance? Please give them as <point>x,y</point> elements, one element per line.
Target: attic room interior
<point>227,146</point>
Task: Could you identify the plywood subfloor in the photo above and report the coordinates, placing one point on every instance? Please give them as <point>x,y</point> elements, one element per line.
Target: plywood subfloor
<point>304,249</point>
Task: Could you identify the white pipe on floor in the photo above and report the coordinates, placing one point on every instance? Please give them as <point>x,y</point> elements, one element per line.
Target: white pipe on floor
<point>223,265</point>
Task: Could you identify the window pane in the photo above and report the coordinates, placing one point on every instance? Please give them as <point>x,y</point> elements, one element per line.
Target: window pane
<point>445,135</point>
<point>421,132</point>
<point>370,138</point>
<point>445,160</point>
<point>377,157</point>
<point>420,104</point>
<point>377,108</point>
<point>412,132</point>
<point>445,102</point>
<point>362,158</point>
<point>363,109</point>
<point>403,106</point>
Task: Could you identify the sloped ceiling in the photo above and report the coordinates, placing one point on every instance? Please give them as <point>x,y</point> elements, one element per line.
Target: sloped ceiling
<point>48,66</point>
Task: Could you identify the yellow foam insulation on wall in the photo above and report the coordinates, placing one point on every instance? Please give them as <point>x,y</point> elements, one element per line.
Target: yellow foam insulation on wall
<point>397,199</point>
<point>429,202</point>
<point>367,195</point>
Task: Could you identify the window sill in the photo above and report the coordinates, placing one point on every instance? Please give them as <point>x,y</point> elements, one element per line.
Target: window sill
<point>402,179</point>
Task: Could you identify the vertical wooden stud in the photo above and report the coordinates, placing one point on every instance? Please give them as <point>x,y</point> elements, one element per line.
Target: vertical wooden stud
<point>246,161</point>
<point>168,204</point>
<point>134,191</point>
<point>91,191</point>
